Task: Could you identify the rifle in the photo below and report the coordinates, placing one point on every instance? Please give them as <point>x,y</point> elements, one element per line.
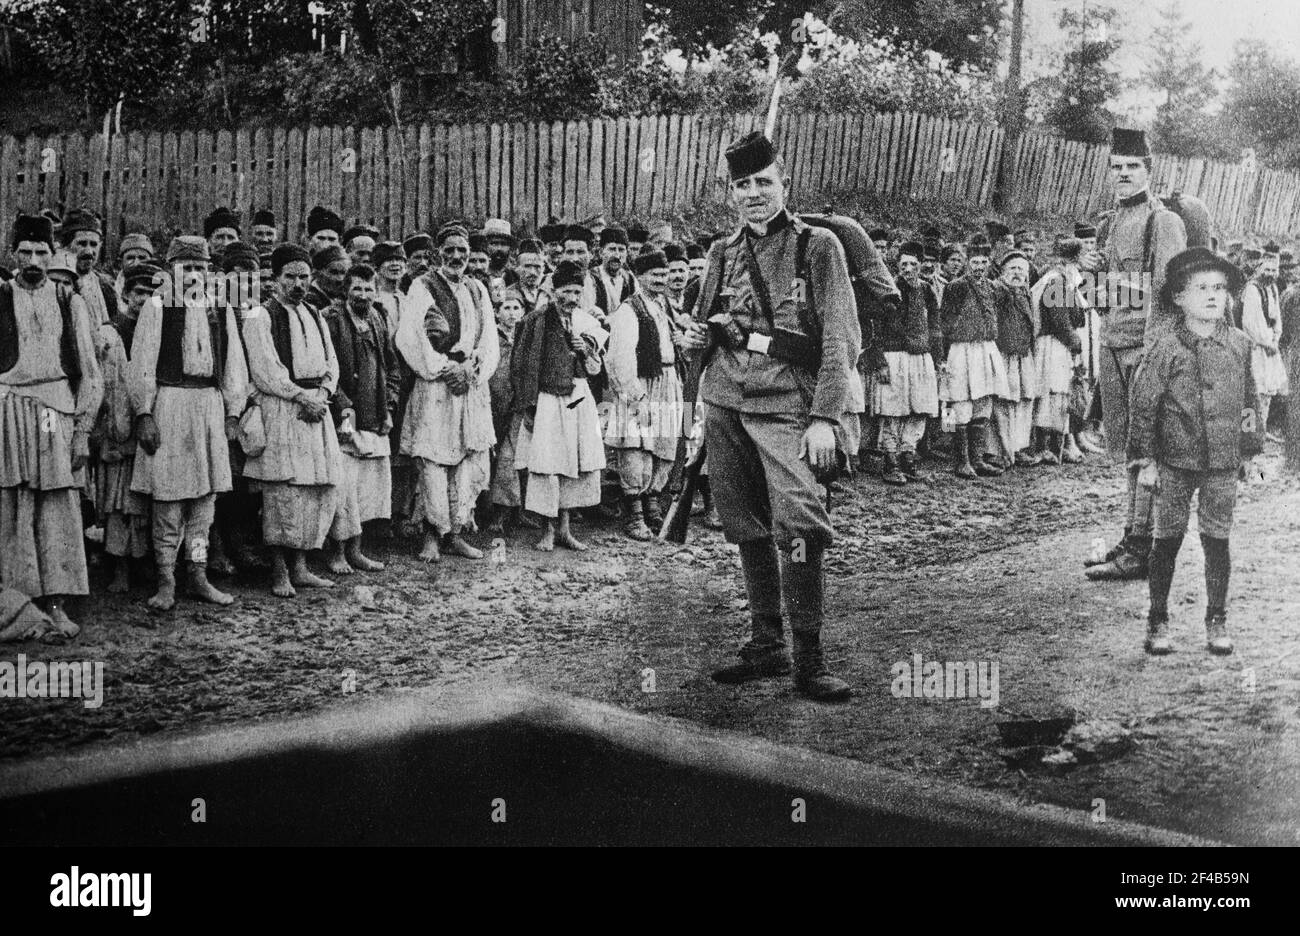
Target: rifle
<point>679,514</point>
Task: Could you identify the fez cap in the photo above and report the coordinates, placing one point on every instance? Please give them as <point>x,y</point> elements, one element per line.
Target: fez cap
<point>498,227</point>
<point>568,273</point>
<point>265,217</point>
<point>322,219</point>
<point>136,242</point>
<point>614,234</point>
<point>576,232</point>
<point>80,219</point>
<point>385,251</point>
<point>221,217</point>
<point>450,229</point>
<point>1129,143</point>
<point>285,254</point>
<point>752,153</point>
<point>324,257</point>
<point>141,274</point>
<point>649,260</point>
<point>187,247</point>
<point>32,228</point>
<point>239,256</point>
<point>359,230</point>
<point>552,232</point>
<point>417,242</point>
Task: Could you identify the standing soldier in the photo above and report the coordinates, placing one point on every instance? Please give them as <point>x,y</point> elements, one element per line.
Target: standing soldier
<point>189,383</point>
<point>775,389</point>
<point>50,391</point>
<point>1136,245</point>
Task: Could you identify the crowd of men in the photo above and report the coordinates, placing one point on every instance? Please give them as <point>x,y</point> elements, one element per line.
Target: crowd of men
<point>471,379</point>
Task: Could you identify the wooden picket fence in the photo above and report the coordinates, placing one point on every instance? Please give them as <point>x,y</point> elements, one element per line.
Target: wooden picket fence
<point>646,167</point>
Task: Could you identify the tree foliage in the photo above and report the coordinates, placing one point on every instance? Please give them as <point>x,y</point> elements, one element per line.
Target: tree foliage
<point>1262,104</point>
<point>1074,102</point>
<point>1182,125</point>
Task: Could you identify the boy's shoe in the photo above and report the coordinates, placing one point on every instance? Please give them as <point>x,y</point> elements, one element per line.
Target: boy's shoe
<point>1158,642</point>
<point>1130,565</point>
<point>1217,640</point>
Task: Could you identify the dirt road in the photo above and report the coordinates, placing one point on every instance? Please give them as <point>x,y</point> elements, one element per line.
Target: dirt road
<point>984,572</point>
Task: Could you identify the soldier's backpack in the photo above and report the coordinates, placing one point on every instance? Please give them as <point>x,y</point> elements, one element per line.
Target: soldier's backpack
<point>1194,212</point>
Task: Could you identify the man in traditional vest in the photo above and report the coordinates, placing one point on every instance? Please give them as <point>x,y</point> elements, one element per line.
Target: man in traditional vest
<point>776,384</point>
<point>50,391</point>
<point>1136,243</point>
<point>293,366</point>
<point>189,384</point>
<point>646,418</point>
<point>264,232</point>
<point>82,234</point>
<point>614,282</point>
<point>448,337</point>
<point>221,228</point>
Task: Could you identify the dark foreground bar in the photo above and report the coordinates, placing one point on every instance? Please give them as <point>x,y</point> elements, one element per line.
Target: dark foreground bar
<point>505,765</point>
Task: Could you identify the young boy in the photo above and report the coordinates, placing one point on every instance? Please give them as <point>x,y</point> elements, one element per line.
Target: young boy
<point>505,489</point>
<point>1192,422</point>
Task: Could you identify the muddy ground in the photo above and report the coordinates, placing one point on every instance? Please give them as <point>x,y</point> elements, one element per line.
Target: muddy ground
<point>984,571</point>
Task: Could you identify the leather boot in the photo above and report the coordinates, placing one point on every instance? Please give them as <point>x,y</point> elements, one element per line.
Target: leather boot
<point>1128,566</point>
<point>890,473</point>
<point>907,464</point>
<point>765,654</point>
<point>1158,642</point>
<point>976,434</point>
<point>634,521</point>
<point>654,517</point>
<point>1217,640</point>
<point>811,678</point>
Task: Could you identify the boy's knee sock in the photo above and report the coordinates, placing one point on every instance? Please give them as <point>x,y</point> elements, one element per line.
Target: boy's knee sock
<point>1217,568</point>
<point>1160,574</point>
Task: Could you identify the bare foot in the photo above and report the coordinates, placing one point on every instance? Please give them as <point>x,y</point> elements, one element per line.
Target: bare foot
<point>547,542</point>
<point>62,622</point>
<point>339,566</point>
<point>305,578</point>
<point>199,587</point>
<point>568,541</point>
<point>459,547</point>
<point>121,583</point>
<point>281,587</point>
<point>430,551</point>
<point>165,598</point>
<point>360,560</point>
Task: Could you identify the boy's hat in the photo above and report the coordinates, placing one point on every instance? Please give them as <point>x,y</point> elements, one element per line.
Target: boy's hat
<point>1196,260</point>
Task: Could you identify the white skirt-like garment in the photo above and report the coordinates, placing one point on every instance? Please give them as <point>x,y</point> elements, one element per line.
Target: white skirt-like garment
<point>913,388</point>
<point>193,457</point>
<point>1054,364</point>
<point>1269,372</point>
<point>653,423</point>
<point>976,369</point>
<point>35,444</point>
<point>565,438</point>
<point>1022,378</point>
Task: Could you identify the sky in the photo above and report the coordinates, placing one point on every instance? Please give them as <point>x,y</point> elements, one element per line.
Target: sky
<point>1216,25</point>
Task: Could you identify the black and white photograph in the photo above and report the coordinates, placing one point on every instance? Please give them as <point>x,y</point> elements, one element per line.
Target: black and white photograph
<point>649,423</point>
